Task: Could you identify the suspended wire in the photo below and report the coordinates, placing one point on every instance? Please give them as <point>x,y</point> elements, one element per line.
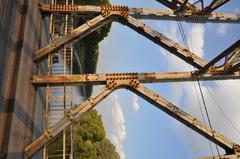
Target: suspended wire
<point>221,110</point>
<point>206,110</point>
<point>200,88</point>
<point>204,122</point>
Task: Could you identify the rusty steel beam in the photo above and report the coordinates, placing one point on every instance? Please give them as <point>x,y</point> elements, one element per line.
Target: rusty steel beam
<point>152,77</point>
<point>145,93</point>
<point>214,5</point>
<point>231,50</point>
<point>143,13</point>
<point>176,4</point>
<point>165,42</point>
<point>69,118</point>
<point>77,33</point>
<point>83,30</point>
<point>70,8</point>
<point>233,68</point>
<point>191,122</point>
<point>221,157</point>
<point>108,11</point>
<point>151,14</point>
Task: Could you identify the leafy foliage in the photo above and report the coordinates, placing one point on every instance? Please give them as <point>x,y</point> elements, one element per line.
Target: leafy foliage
<point>89,46</point>
<point>90,42</point>
<point>89,139</point>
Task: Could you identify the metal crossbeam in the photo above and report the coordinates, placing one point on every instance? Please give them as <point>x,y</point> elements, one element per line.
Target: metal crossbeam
<point>214,5</point>
<point>145,93</point>
<point>215,17</point>
<point>229,51</point>
<point>154,77</point>
<point>143,13</point>
<point>174,5</point>
<point>233,68</point>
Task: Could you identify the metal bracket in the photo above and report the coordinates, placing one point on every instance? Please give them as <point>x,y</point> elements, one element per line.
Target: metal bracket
<point>108,10</point>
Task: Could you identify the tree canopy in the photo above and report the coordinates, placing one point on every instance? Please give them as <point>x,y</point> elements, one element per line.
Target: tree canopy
<point>88,47</point>
<point>90,42</point>
<point>89,140</point>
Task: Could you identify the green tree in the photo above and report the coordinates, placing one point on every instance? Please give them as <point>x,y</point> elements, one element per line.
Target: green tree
<point>88,47</point>
<point>89,139</point>
<point>106,150</point>
<point>90,42</point>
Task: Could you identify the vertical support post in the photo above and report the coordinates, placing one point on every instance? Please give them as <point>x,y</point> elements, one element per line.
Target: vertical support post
<point>64,144</point>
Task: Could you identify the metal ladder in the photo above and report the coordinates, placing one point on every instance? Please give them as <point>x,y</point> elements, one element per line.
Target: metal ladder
<point>59,98</point>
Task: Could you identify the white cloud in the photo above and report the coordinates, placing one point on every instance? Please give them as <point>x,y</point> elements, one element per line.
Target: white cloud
<point>114,122</point>
<point>226,93</point>
<point>134,103</point>
<point>196,39</point>
<point>222,29</point>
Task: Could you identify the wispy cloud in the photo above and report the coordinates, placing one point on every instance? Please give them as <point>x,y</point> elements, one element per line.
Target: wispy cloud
<point>134,103</point>
<point>114,122</point>
<point>223,92</point>
<point>196,39</point>
<point>222,29</point>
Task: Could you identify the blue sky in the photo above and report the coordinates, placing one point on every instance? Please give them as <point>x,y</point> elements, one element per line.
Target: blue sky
<point>138,129</point>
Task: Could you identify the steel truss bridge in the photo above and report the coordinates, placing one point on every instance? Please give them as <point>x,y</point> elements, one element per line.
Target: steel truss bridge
<point>179,10</point>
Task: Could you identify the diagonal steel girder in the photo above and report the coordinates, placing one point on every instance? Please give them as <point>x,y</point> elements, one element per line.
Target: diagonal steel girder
<point>174,4</point>
<point>185,118</point>
<point>152,77</point>
<point>69,118</point>
<point>143,92</point>
<point>143,13</point>
<point>76,34</point>
<point>165,42</point>
<point>229,52</point>
<point>214,5</point>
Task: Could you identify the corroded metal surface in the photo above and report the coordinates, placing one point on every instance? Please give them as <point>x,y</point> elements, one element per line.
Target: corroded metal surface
<point>154,77</point>
<point>132,81</point>
<point>77,33</point>
<point>70,117</point>
<point>155,99</point>
<point>143,13</point>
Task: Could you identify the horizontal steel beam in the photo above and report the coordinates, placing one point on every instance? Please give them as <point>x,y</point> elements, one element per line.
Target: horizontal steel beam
<point>144,13</point>
<point>151,14</point>
<point>154,77</point>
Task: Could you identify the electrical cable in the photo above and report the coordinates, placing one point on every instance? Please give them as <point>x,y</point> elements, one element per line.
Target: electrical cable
<point>221,110</point>
<point>199,85</point>
<point>206,110</point>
